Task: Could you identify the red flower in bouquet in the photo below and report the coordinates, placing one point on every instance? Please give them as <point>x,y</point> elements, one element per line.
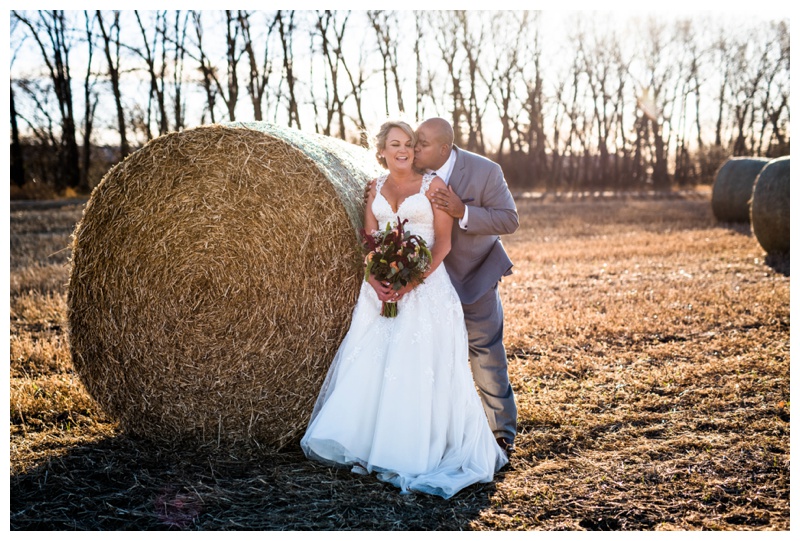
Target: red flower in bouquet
<point>396,256</point>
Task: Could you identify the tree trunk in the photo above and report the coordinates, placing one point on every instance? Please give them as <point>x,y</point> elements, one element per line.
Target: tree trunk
<point>112,36</point>
<point>660,177</point>
<point>17,162</point>
<point>177,72</point>
<point>148,55</point>
<point>233,61</point>
<point>418,58</point>
<point>90,105</point>
<point>257,79</point>
<point>57,61</point>
<point>286,42</point>
<point>207,82</point>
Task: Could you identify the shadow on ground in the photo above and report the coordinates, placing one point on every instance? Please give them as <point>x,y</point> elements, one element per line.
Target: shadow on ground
<point>124,484</point>
<point>778,262</point>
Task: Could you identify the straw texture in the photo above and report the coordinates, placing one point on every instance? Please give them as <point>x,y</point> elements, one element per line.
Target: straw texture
<point>733,187</point>
<point>770,207</point>
<point>213,276</point>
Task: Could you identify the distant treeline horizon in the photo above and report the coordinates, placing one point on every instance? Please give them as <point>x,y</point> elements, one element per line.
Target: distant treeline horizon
<point>596,101</point>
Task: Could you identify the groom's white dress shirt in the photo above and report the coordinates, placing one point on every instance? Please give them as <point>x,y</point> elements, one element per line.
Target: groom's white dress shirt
<point>444,173</point>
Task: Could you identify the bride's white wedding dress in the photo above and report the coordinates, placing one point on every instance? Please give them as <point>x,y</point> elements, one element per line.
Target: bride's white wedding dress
<point>399,398</point>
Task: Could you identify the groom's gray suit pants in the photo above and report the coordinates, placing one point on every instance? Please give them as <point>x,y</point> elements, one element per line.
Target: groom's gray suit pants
<point>487,357</point>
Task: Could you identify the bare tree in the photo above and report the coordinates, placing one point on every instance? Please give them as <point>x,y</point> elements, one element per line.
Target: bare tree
<point>506,72</point>
<point>357,83</point>
<point>418,25</point>
<point>426,79</point>
<point>111,48</point>
<point>18,175</point>
<point>208,79</point>
<point>40,119</point>
<point>90,100</point>
<point>17,161</point>
<point>50,31</point>
<point>331,37</point>
<point>753,63</point>
<point>619,97</point>
<point>180,28</point>
<point>723,50</point>
<point>775,103</point>
<point>258,76</point>
<point>473,33</point>
<point>286,30</point>
<point>233,56</point>
<point>687,80</point>
<point>383,22</point>
<point>559,112</point>
<point>659,74</point>
<point>228,89</point>
<point>774,93</point>
<point>534,103</point>
<point>331,28</point>
<point>598,65</point>
<point>148,53</point>
<point>624,109</point>
<point>575,145</point>
<point>447,34</point>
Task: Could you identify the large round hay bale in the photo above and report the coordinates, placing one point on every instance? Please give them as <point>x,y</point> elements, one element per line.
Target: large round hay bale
<point>213,277</point>
<point>769,209</point>
<point>733,187</point>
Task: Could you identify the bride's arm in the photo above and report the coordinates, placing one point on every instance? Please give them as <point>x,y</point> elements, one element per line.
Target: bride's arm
<point>370,222</point>
<point>442,229</point>
<point>383,290</point>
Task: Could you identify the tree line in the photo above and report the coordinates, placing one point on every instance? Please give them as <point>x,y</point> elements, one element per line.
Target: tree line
<point>580,102</point>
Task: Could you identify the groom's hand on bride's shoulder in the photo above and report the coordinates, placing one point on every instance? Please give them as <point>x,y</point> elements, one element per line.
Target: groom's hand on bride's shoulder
<point>368,188</point>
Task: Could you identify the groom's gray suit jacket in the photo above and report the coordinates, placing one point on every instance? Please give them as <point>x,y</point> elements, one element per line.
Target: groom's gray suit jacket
<point>477,259</point>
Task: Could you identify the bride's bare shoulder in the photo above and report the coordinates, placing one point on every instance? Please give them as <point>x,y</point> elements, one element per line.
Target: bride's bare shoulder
<point>437,182</point>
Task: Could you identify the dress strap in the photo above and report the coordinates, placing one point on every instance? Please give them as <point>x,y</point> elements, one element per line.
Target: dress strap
<point>380,182</point>
<point>426,181</point>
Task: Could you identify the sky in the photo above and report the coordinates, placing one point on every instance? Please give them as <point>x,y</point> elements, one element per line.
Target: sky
<point>554,24</point>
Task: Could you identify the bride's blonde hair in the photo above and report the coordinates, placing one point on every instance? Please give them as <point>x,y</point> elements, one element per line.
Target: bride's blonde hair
<point>383,131</point>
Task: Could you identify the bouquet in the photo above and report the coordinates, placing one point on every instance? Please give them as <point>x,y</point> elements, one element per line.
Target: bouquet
<point>395,256</point>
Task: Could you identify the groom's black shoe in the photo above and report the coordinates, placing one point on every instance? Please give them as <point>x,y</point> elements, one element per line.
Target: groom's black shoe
<point>507,446</point>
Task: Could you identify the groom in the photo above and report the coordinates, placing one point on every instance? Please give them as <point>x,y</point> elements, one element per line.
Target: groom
<point>477,197</point>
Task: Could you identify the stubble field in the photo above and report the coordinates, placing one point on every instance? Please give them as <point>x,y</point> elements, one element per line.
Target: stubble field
<point>648,348</point>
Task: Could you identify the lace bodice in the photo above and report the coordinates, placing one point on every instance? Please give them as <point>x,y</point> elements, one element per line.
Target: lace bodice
<point>399,399</point>
<point>414,208</point>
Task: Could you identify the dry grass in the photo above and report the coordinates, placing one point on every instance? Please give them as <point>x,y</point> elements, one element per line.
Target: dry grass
<point>649,350</point>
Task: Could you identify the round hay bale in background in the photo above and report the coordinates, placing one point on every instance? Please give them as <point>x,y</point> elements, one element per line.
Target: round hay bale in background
<point>769,209</point>
<point>733,187</point>
<point>213,277</point>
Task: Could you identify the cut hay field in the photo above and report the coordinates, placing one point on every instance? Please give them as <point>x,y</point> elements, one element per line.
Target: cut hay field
<point>649,350</point>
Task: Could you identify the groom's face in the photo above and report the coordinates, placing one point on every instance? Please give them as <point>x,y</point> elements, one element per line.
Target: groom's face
<point>430,151</point>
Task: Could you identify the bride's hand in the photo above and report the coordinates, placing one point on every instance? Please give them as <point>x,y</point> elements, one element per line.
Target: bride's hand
<point>403,291</point>
<point>383,289</point>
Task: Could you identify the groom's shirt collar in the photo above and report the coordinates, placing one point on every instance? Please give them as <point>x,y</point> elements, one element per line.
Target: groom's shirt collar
<point>444,171</point>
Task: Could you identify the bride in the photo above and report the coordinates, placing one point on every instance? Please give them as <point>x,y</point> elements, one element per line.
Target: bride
<point>399,398</point>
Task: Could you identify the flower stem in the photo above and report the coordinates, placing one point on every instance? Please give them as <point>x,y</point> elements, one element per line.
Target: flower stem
<point>389,309</point>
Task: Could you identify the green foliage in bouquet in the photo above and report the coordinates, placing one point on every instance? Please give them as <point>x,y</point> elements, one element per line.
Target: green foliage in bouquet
<point>396,256</point>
